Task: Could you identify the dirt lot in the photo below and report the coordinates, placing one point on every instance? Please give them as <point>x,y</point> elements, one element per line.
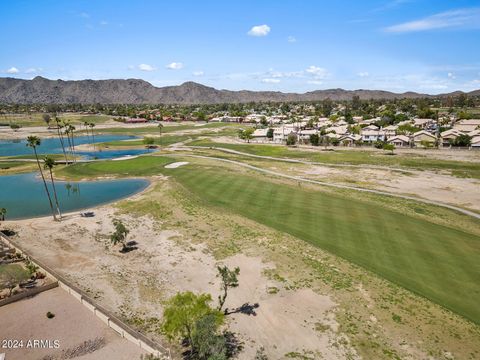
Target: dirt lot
<point>311,304</point>
<point>72,326</point>
<point>136,286</point>
<point>424,184</point>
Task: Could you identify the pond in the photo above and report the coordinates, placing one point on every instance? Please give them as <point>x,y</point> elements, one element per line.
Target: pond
<point>24,196</point>
<point>53,146</point>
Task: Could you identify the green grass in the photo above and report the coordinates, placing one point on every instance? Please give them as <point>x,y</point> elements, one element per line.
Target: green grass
<point>165,130</point>
<point>435,261</point>
<point>366,157</point>
<point>141,166</point>
<point>164,141</point>
<point>15,167</point>
<point>41,157</point>
<point>35,119</point>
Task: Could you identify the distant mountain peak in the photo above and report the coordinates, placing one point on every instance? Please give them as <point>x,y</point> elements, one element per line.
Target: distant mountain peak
<point>138,91</point>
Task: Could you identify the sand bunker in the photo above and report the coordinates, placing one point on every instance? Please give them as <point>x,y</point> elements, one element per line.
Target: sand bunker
<point>176,164</point>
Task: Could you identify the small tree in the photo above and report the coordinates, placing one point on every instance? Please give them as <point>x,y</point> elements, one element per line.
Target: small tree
<point>183,311</point>
<point>246,134</point>
<point>314,139</point>
<point>206,342</point>
<point>389,147</point>
<point>462,140</point>
<point>270,134</point>
<point>15,127</point>
<point>47,118</point>
<point>3,212</point>
<point>119,236</point>
<point>229,280</point>
<point>148,141</point>
<point>291,139</point>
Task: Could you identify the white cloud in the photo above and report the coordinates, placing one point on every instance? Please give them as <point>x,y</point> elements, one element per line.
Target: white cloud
<point>85,15</point>
<point>459,18</point>
<point>175,66</point>
<point>317,72</point>
<point>315,82</point>
<point>451,75</point>
<point>104,22</point>
<point>363,74</point>
<point>291,39</point>
<point>198,73</point>
<point>146,67</point>
<point>271,81</point>
<point>13,70</point>
<point>259,30</point>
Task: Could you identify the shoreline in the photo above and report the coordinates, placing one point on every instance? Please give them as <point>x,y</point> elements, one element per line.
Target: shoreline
<point>149,185</point>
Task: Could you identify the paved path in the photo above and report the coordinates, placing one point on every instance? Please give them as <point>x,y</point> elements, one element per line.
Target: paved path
<point>339,186</point>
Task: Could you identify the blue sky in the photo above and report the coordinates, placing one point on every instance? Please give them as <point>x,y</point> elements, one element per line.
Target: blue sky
<point>286,45</point>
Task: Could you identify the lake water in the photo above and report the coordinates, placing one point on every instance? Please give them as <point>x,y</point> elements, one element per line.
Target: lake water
<point>24,196</point>
<point>53,146</point>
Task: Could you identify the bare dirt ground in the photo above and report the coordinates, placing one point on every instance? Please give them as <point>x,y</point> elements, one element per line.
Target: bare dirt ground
<point>72,325</point>
<point>312,305</point>
<point>424,184</point>
<point>128,282</point>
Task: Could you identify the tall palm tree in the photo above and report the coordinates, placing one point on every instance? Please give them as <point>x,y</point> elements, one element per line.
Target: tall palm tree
<point>92,125</point>
<point>160,127</point>
<point>33,142</point>
<point>60,136</point>
<point>86,124</point>
<point>69,129</point>
<point>49,163</point>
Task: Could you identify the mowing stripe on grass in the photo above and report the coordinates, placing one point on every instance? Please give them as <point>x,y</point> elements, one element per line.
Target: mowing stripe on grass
<point>432,260</point>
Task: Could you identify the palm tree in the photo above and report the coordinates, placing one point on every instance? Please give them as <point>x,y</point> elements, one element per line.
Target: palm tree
<point>86,124</point>
<point>92,125</point>
<point>160,127</point>
<point>33,142</point>
<point>69,129</point>
<point>60,137</point>
<point>49,163</point>
<point>3,211</point>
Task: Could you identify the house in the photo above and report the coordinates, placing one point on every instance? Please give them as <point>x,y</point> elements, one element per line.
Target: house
<point>371,136</point>
<point>350,139</point>
<point>399,140</point>
<point>467,125</point>
<point>339,130</point>
<point>260,135</point>
<point>475,143</point>
<point>304,135</point>
<point>390,130</point>
<point>371,127</point>
<point>449,135</point>
<point>281,133</point>
<point>423,137</point>
<point>422,123</point>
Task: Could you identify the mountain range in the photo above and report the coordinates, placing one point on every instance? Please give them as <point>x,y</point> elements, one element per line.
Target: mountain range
<point>136,91</point>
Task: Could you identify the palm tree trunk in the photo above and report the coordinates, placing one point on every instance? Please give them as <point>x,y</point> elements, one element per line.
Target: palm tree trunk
<point>60,136</point>
<point>55,194</point>
<point>69,142</point>
<point>45,184</point>
<point>73,147</point>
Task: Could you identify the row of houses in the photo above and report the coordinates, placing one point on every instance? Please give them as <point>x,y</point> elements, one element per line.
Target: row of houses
<point>371,134</point>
